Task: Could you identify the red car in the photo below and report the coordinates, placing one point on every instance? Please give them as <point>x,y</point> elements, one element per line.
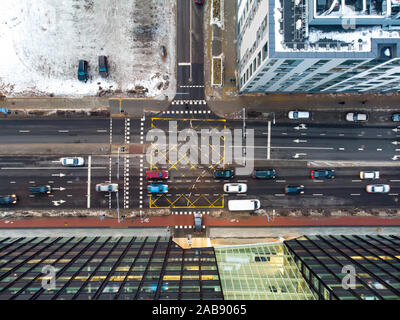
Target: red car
<point>155,174</point>
<point>199,1</point>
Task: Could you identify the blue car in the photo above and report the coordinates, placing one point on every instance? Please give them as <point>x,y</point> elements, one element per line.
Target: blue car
<point>296,189</point>
<point>396,117</point>
<point>10,199</point>
<point>157,188</point>
<point>263,174</point>
<point>223,174</point>
<point>83,71</point>
<point>40,190</point>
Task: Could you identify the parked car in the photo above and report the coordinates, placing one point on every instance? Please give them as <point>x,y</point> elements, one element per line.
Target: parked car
<point>198,222</point>
<point>73,162</point>
<point>157,188</point>
<point>83,70</point>
<point>103,66</point>
<point>9,199</point>
<point>107,187</point>
<point>199,1</point>
<point>356,116</point>
<point>264,174</point>
<point>223,174</point>
<point>163,51</point>
<point>321,174</point>
<point>40,190</point>
<point>157,174</point>
<point>378,188</point>
<point>294,189</point>
<point>299,114</point>
<point>369,175</point>
<point>235,187</point>
<point>396,117</point>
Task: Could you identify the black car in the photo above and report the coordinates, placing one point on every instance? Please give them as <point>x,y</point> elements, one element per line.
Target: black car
<point>83,71</point>
<point>103,66</point>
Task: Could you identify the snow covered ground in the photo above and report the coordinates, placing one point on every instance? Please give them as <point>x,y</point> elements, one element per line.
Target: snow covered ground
<point>41,42</point>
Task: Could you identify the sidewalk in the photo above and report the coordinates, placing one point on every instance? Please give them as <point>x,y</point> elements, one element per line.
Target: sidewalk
<point>187,220</point>
<point>259,104</point>
<point>221,41</point>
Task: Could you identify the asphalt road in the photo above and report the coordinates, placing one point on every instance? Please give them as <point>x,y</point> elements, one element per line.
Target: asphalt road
<point>72,186</point>
<point>190,51</point>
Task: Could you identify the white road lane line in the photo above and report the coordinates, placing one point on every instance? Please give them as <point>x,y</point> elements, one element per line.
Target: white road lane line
<point>101,131</point>
<point>269,141</point>
<point>24,131</point>
<point>317,194</point>
<point>394,180</point>
<point>354,194</point>
<point>89,181</point>
<point>63,131</point>
<point>355,180</point>
<point>306,148</point>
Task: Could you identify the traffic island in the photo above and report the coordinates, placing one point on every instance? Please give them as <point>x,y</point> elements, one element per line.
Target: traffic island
<point>217,72</point>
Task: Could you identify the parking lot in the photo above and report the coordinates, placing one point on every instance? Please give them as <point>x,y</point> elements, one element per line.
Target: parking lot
<point>42,42</point>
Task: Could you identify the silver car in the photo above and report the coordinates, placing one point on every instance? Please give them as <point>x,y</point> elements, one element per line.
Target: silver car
<point>378,188</point>
<point>235,187</point>
<point>73,162</point>
<point>369,175</point>
<point>107,187</point>
<point>355,116</point>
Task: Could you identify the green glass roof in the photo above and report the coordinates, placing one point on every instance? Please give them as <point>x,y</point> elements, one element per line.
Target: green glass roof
<point>260,272</point>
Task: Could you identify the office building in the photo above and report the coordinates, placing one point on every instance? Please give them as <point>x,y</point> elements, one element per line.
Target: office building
<point>318,45</point>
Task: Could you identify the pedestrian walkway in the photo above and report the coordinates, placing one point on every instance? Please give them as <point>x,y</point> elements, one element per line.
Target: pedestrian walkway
<point>187,220</point>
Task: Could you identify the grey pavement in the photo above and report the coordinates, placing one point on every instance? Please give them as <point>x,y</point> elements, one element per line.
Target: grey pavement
<point>85,232</point>
<point>260,104</point>
<point>262,232</point>
<point>66,149</point>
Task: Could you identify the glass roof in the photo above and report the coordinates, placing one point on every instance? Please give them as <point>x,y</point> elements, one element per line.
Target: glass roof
<point>260,272</point>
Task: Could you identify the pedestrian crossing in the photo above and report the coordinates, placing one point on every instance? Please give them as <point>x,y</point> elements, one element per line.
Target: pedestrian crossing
<point>190,212</point>
<point>186,227</point>
<point>189,102</point>
<point>187,112</point>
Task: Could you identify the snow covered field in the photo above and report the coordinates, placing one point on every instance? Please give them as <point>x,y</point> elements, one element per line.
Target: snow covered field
<point>41,42</point>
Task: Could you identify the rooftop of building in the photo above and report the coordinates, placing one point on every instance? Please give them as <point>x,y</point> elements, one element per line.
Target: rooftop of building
<point>335,25</point>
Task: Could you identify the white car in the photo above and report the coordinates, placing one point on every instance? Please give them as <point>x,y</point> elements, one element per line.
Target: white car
<point>355,116</point>
<point>369,175</point>
<point>73,162</point>
<point>107,187</point>
<point>378,188</point>
<point>298,115</point>
<point>235,187</point>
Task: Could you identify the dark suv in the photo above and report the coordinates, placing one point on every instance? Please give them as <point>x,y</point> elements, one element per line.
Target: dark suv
<point>103,66</point>
<point>264,174</point>
<point>83,71</point>
<point>40,190</point>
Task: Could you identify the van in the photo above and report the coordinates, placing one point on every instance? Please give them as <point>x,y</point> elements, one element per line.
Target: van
<point>299,115</point>
<point>244,205</point>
